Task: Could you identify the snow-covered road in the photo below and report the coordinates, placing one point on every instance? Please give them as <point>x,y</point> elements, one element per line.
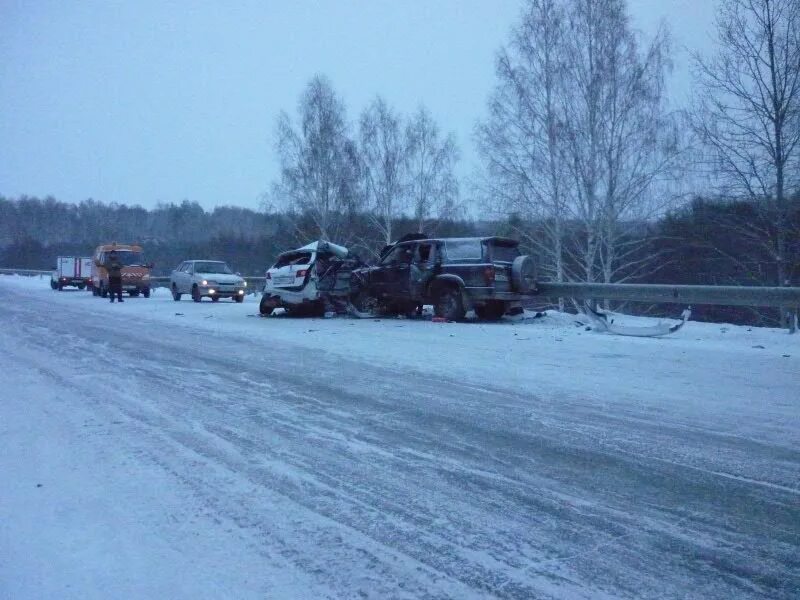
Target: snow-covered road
<point>182,450</point>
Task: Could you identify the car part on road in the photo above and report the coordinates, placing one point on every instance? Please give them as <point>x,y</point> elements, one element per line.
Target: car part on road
<point>603,322</point>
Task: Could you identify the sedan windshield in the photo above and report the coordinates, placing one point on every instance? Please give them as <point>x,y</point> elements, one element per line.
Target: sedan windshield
<point>212,267</point>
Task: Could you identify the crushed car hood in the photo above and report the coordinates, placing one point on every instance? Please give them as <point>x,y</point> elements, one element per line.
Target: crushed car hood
<point>220,277</point>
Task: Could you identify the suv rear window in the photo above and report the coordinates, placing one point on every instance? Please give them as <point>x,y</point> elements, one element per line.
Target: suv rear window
<point>464,250</point>
<point>503,252</point>
<point>293,258</point>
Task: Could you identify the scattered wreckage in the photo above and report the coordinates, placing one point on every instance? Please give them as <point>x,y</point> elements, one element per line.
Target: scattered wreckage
<point>603,322</point>
<point>486,274</point>
<point>311,280</point>
<point>455,275</point>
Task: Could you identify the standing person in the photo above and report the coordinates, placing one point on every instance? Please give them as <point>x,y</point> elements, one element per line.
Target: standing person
<point>114,267</point>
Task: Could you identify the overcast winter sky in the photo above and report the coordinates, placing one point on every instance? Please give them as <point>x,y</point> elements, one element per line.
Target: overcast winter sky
<point>146,101</point>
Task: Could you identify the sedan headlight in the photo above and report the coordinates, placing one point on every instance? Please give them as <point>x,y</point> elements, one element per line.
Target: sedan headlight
<point>204,282</point>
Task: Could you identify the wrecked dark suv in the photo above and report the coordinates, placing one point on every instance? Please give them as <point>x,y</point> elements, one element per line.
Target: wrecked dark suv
<point>487,274</point>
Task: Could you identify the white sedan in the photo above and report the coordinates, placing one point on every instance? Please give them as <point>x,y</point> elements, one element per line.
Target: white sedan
<point>211,278</point>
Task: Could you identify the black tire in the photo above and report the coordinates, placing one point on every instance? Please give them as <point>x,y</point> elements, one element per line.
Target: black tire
<point>175,295</point>
<point>81,286</point>
<point>215,298</point>
<point>239,299</point>
<point>491,311</point>
<point>196,293</point>
<point>265,307</point>
<point>53,285</point>
<point>523,274</point>
<point>449,303</point>
<point>146,292</point>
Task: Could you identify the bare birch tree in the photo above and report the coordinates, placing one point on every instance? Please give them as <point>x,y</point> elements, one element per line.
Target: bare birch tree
<point>748,115</point>
<point>319,163</point>
<point>621,141</point>
<point>432,185</point>
<point>579,139</point>
<point>384,166</point>
<point>520,141</point>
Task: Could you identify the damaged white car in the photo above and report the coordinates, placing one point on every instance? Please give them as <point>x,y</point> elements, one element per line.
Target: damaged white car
<point>309,280</point>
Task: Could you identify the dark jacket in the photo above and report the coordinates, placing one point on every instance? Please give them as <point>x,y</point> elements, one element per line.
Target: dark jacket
<point>114,267</point>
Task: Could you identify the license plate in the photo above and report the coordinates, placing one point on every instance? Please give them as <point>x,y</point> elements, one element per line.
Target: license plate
<point>284,280</point>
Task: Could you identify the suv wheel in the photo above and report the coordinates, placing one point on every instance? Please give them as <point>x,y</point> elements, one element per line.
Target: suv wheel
<point>196,293</point>
<point>53,285</point>
<point>491,311</point>
<point>450,304</point>
<point>146,292</point>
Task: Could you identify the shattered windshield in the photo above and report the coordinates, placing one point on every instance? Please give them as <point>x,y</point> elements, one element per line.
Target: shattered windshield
<point>503,252</point>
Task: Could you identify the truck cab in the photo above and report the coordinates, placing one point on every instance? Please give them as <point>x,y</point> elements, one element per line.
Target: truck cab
<point>135,271</point>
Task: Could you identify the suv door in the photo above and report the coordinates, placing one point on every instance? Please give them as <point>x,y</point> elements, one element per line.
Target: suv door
<point>423,268</point>
<point>393,275</point>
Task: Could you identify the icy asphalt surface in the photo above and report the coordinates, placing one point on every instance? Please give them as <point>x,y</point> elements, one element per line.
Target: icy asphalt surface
<point>215,454</point>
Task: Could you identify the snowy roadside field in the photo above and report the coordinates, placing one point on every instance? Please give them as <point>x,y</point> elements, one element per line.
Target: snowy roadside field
<point>162,449</point>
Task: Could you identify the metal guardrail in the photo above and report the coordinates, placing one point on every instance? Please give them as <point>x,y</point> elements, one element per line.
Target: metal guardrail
<point>728,295</point>
<point>26,272</point>
<point>254,284</point>
<point>786,298</point>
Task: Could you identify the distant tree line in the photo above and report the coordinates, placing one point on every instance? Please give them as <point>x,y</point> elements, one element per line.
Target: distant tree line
<point>34,231</point>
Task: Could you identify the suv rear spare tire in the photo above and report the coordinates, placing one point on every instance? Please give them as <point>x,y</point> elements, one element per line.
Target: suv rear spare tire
<point>523,274</point>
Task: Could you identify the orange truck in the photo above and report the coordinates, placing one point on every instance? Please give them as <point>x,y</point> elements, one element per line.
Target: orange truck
<point>135,271</point>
